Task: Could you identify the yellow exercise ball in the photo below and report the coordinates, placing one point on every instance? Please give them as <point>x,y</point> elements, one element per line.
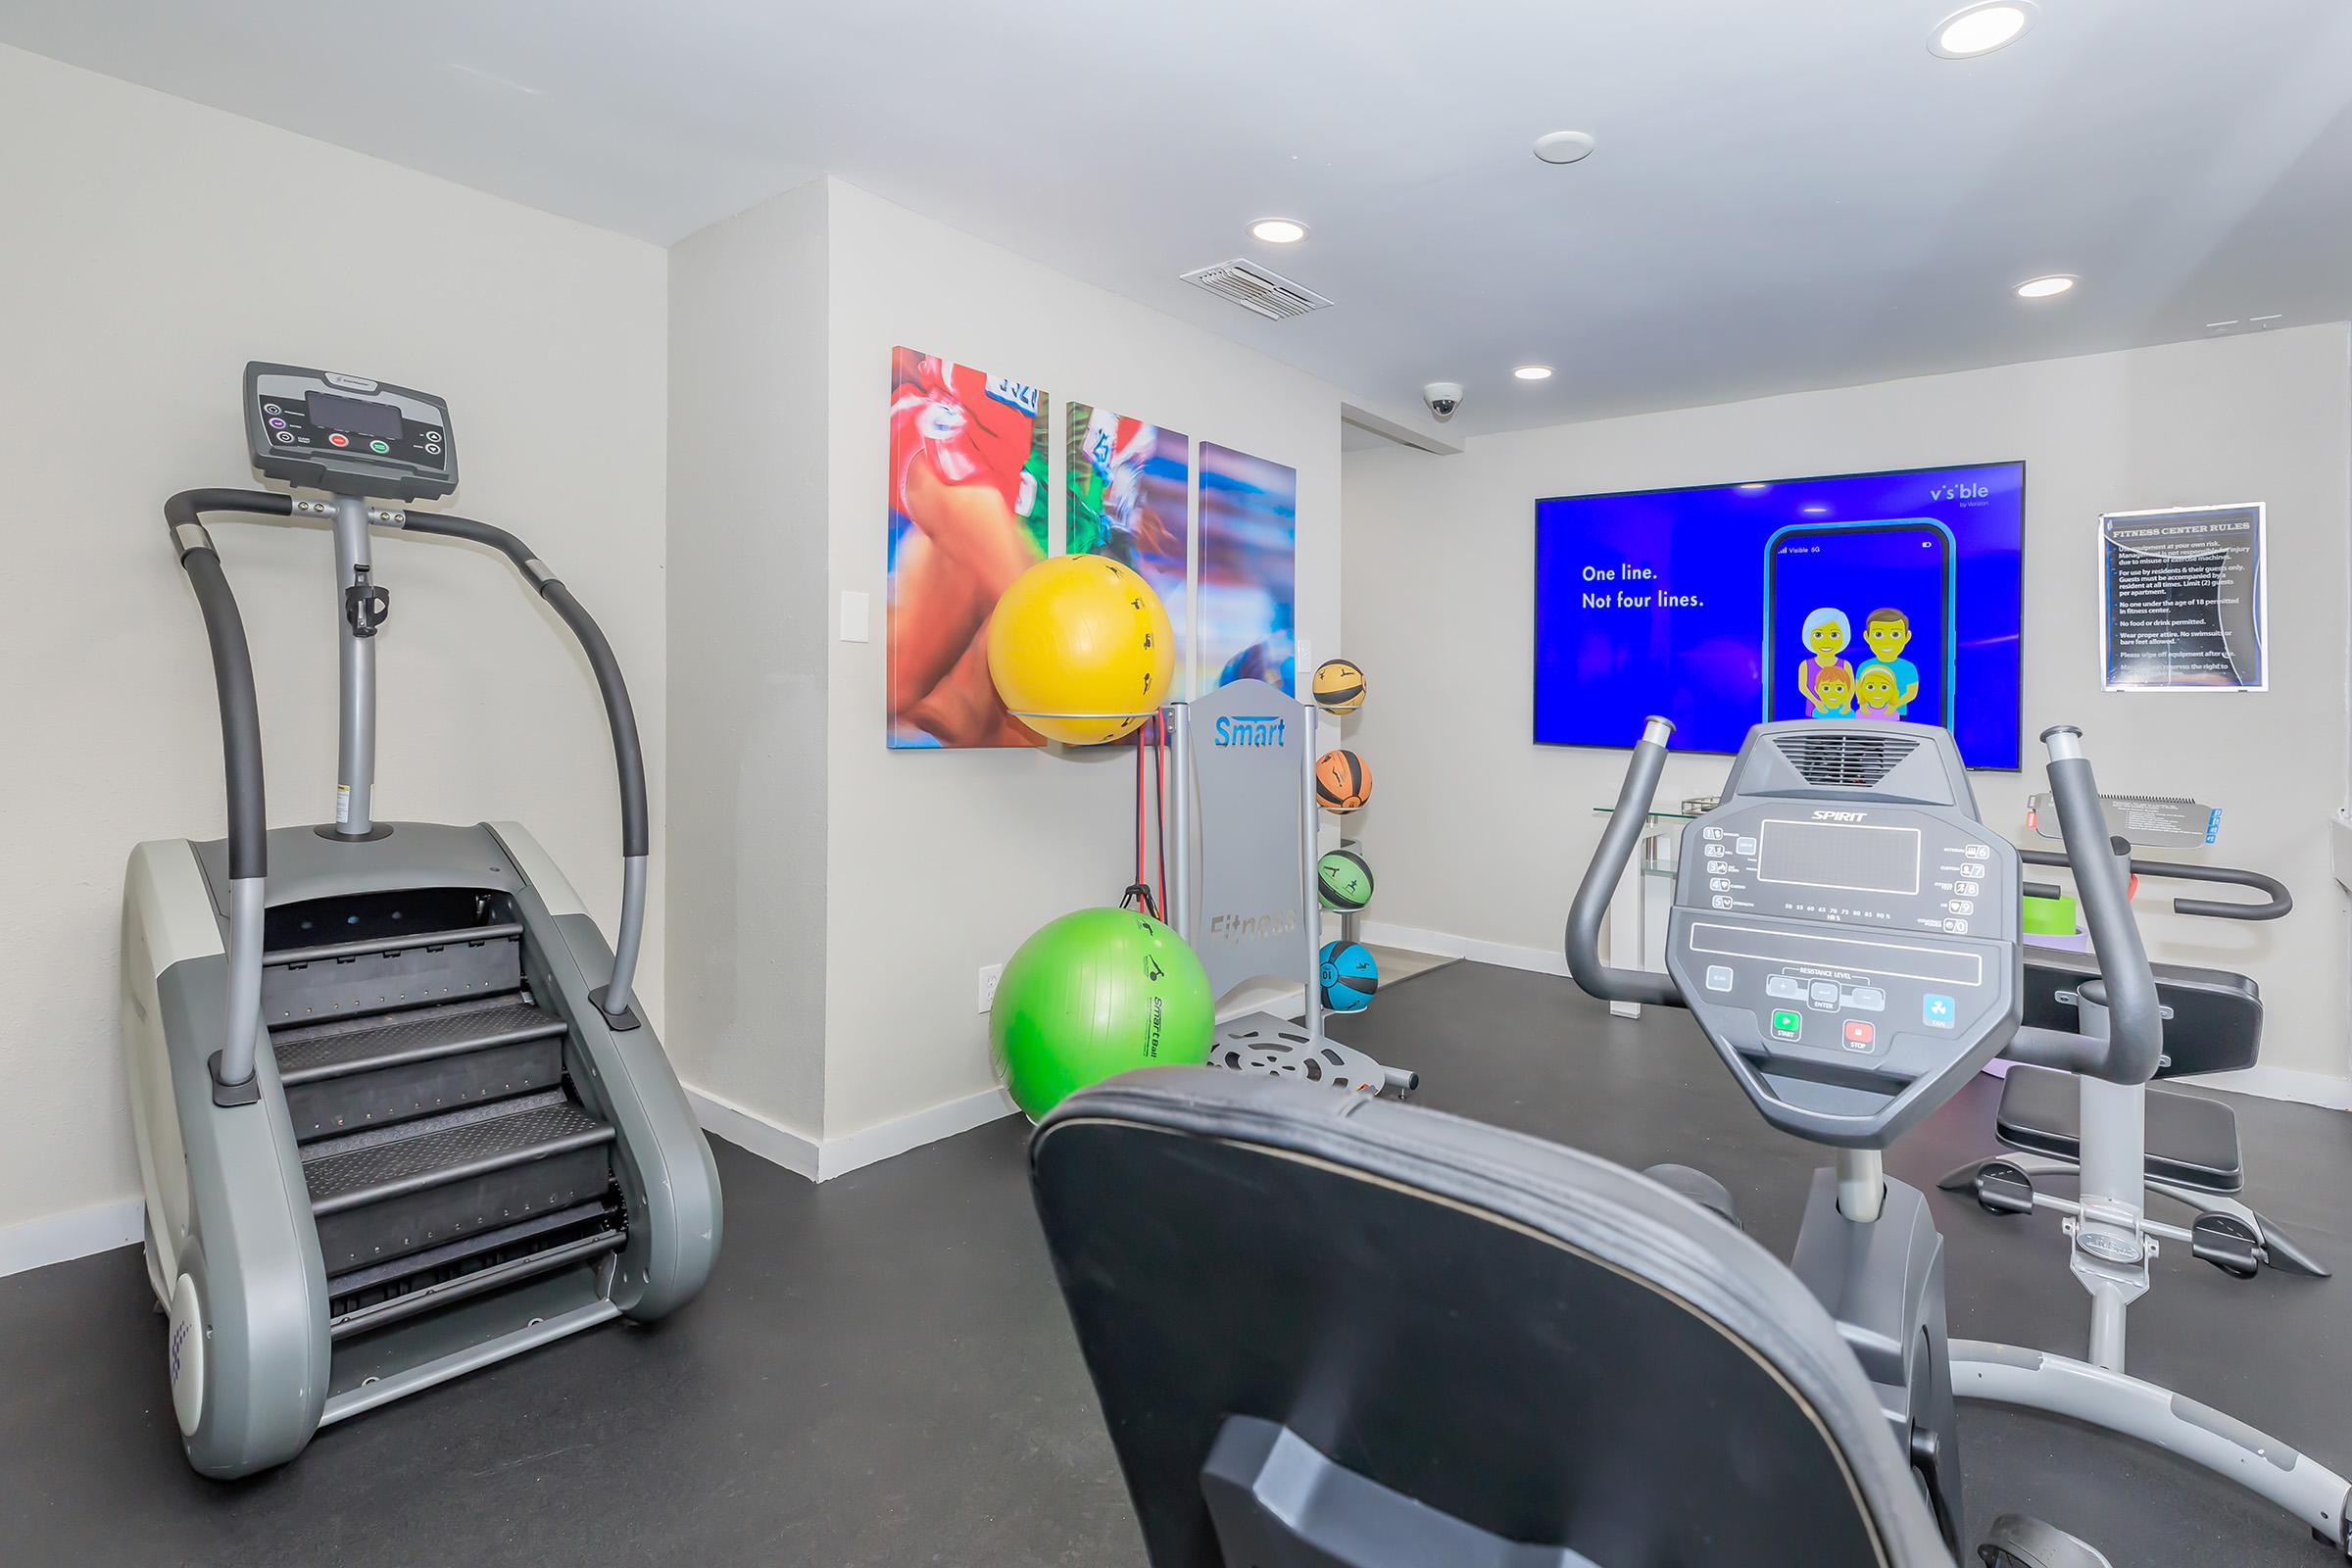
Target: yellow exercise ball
<point>1084,636</point>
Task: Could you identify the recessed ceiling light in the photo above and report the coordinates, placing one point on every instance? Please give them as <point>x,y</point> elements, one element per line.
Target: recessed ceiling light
<point>1278,231</point>
<point>1533,372</point>
<point>1981,29</point>
<point>2048,287</point>
<point>1564,147</point>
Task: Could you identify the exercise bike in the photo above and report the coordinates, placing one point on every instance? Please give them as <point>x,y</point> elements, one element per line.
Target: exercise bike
<point>1353,1333</point>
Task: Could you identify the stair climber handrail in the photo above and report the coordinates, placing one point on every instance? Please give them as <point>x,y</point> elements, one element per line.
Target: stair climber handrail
<point>232,1070</point>
<point>241,757</point>
<point>628,754</point>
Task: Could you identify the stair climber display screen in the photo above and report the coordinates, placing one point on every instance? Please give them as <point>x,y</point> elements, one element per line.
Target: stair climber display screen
<point>1893,598</point>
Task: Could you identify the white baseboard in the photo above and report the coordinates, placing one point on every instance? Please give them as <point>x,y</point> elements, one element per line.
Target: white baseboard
<point>2269,1083</point>
<point>1284,1002</point>
<point>823,1160</point>
<point>2282,1083</point>
<point>772,1141</point>
<point>61,1237</point>
<point>1445,944</point>
<point>869,1146</point>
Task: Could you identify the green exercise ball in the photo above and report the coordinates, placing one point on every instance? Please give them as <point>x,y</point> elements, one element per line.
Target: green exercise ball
<point>1092,995</point>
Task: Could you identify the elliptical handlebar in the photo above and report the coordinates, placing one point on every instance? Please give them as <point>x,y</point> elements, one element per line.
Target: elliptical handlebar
<point>2133,1041</point>
<point>1609,860</point>
<point>2127,1051</point>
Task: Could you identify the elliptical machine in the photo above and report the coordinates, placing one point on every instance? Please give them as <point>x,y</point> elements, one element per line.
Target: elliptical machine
<point>1845,930</point>
<point>1440,1342</point>
<point>398,1117</point>
<point>2121,1143</point>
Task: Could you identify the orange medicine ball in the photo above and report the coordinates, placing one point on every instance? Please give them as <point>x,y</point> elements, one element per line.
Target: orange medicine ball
<point>1342,782</point>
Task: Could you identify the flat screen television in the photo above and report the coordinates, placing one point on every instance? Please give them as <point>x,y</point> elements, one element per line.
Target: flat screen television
<point>1889,596</point>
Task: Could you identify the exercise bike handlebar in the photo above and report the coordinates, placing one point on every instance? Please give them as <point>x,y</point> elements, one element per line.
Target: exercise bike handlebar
<point>1609,860</point>
<point>2134,1041</point>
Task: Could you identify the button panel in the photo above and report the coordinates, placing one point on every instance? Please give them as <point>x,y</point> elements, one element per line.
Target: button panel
<point>1883,962</point>
<point>292,431</point>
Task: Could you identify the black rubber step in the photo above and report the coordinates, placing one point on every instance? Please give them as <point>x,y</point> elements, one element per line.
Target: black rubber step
<point>392,1191</point>
<point>365,1044</point>
<point>368,1073</point>
<point>339,980</point>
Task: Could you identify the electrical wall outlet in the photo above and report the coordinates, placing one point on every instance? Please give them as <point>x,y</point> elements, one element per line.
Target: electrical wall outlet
<point>990,974</point>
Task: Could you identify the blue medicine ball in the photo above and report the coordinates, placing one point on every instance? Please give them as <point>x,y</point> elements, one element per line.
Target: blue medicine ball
<point>1350,976</point>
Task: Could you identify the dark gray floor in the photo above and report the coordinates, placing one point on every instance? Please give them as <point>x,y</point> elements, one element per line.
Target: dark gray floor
<point>880,1372</point>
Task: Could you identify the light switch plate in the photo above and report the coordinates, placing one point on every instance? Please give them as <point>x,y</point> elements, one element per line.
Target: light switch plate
<point>856,617</point>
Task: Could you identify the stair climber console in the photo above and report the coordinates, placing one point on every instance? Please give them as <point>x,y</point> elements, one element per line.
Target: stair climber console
<point>397,1119</point>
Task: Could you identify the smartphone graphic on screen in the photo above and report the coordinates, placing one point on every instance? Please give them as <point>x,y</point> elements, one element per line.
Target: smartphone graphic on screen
<point>1858,621</point>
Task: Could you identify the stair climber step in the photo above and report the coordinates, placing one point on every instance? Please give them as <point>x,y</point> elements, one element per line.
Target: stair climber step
<point>383,974</point>
<point>366,1072</point>
<point>388,1192</point>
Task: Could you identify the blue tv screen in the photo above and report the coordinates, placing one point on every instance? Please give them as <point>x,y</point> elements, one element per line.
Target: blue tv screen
<point>1891,597</point>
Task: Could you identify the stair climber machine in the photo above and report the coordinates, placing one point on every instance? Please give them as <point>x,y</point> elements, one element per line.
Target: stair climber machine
<point>1846,931</point>
<point>397,1116</point>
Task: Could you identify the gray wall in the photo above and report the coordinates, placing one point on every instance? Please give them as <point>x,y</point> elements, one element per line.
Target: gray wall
<point>1478,833</point>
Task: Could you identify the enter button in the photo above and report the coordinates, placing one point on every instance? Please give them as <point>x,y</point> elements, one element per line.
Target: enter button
<point>1860,1034</point>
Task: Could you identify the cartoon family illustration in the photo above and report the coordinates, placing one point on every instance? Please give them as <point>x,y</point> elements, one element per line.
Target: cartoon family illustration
<point>1886,684</point>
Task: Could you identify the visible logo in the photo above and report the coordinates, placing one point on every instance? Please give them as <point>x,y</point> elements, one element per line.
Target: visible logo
<point>1251,729</point>
<point>1238,928</point>
<point>1840,816</point>
<point>1005,389</point>
<point>179,1340</point>
<point>1958,492</point>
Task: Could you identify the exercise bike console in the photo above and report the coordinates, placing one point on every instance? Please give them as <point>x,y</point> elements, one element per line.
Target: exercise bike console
<point>1845,929</point>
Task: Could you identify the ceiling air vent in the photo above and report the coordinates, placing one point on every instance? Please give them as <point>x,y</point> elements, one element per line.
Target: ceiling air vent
<point>1254,288</point>
<point>1828,759</point>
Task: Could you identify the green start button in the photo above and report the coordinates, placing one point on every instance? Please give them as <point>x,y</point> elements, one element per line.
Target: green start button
<point>1788,1024</point>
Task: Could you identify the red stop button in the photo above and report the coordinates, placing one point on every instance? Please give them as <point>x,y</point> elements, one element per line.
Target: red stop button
<point>1859,1035</point>
<point>338,439</point>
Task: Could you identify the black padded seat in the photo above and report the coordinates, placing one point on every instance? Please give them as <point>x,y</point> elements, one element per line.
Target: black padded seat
<point>2192,1140</point>
<point>2216,1022</point>
<point>2213,1024</point>
<point>1397,1324</point>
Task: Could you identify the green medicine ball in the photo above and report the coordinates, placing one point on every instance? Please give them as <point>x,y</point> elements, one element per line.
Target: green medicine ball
<point>1344,880</point>
<point>1092,995</point>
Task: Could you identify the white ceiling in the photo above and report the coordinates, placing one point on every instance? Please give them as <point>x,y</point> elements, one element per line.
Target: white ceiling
<point>1788,193</point>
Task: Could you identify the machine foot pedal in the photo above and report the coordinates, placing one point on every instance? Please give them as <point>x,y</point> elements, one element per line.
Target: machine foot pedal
<point>2020,1542</point>
<point>2228,1244</point>
<point>2003,1188</point>
<point>2286,1255</point>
